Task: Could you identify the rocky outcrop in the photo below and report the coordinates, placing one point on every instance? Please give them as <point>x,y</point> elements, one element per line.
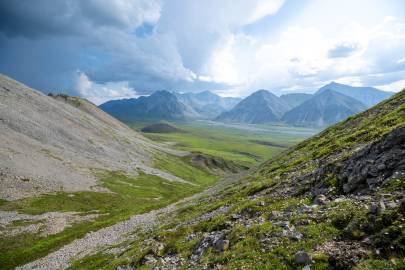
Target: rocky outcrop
<point>375,163</point>
<point>365,170</point>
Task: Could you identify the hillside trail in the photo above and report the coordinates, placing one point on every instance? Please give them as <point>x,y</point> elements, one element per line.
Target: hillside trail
<point>122,231</point>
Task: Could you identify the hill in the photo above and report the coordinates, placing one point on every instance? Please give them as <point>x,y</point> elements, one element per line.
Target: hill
<point>324,109</point>
<point>54,143</point>
<point>161,105</point>
<point>68,168</point>
<point>295,99</point>
<point>160,128</point>
<point>258,108</point>
<point>208,104</point>
<point>334,201</point>
<point>369,96</point>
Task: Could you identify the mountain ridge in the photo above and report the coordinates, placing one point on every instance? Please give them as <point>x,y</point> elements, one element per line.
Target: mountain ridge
<point>324,109</point>
<point>370,96</point>
<point>260,107</point>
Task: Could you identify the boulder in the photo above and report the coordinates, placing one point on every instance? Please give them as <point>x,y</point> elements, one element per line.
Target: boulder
<point>302,257</point>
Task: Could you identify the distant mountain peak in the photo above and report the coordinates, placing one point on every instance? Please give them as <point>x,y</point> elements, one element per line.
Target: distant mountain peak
<point>325,108</point>
<point>367,95</point>
<point>261,106</point>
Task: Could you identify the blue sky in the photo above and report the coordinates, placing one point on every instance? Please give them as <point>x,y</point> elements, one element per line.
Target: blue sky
<point>110,49</point>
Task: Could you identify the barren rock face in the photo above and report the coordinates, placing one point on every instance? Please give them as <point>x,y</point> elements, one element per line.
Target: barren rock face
<point>52,143</point>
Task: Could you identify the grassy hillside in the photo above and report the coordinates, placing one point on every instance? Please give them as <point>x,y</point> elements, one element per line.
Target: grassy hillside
<point>274,220</point>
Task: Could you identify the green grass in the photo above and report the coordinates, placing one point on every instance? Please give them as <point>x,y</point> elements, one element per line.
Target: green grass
<point>131,195</point>
<point>231,142</point>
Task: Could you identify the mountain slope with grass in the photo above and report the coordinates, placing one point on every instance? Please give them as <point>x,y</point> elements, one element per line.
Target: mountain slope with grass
<point>334,201</point>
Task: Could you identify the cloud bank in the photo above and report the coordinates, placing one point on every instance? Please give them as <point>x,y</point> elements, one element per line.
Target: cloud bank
<point>114,49</point>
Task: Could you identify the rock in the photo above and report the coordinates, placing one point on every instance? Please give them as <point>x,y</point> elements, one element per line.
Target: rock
<point>392,205</point>
<point>295,235</point>
<point>282,224</point>
<point>274,214</point>
<point>236,216</point>
<point>221,245</point>
<point>149,260</point>
<point>320,200</point>
<point>381,167</point>
<point>215,239</point>
<point>381,207</point>
<point>402,205</point>
<point>377,208</point>
<point>373,208</point>
<point>302,257</point>
<point>343,254</point>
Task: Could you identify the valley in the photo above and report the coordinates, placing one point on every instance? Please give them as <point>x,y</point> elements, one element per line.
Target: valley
<point>187,160</point>
<point>246,145</point>
<point>202,135</point>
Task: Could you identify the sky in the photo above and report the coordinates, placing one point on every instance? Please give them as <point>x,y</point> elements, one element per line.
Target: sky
<point>113,49</point>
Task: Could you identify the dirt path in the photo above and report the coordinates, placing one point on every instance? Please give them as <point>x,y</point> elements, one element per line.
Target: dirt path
<point>97,240</point>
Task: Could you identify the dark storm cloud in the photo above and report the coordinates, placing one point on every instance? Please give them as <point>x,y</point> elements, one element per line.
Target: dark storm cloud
<point>46,40</point>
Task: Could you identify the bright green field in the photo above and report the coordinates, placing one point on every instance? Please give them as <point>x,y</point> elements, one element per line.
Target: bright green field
<point>239,143</point>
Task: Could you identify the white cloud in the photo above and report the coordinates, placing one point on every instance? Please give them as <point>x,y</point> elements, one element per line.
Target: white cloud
<point>100,93</point>
<point>394,86</point>
<point>300,57</point>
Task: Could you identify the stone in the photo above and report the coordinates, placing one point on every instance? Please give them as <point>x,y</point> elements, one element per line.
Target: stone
<point>302,257</point>
<point>392,205</point>
<point>381,167</point>
<point>221,245</point>
<point>373,208</point>
<point>402,205</point>
<point>381,207</point>
<point>320,200</point>
<point>282,224</point>
<point>274,214</point>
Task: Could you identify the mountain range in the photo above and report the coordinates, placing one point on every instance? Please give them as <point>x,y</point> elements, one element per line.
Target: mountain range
<point>330,104</point>
<point>165,105</point>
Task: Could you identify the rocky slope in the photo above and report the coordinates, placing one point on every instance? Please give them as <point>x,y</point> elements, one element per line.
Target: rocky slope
<point>258,108</point>
<point>334,201</point>
<point>324,109</point>
<point>54,143</point>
